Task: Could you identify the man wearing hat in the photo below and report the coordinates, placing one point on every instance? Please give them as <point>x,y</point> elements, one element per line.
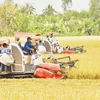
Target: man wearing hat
<point>28,46</point>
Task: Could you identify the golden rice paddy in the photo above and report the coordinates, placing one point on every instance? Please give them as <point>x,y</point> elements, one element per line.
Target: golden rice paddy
<point>83,82</point>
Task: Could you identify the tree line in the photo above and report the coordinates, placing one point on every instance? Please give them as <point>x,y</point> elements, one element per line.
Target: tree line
<point>15,18</point>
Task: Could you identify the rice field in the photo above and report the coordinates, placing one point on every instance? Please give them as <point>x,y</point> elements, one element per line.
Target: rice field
<point>88,66</point>
<point>83,82</point>
<point>49,89</point>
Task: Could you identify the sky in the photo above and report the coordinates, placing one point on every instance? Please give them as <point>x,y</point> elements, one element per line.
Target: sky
<point>39,5</point>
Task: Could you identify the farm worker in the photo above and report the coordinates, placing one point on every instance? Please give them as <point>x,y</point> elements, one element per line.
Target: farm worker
<point>35,47</point>
<point>53,42</point>
<point>48,38</point>
<point>5,49</point>
<point>28,46</point>
<point>6,58</point>
<point>6,61</point>
<point>17,40</point>
<point>52,39</point>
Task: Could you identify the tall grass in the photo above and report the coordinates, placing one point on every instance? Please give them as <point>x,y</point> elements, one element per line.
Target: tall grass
<point>49,89</point>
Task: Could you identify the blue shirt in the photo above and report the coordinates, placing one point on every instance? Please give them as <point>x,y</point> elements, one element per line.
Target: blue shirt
<point>27,46</point>
<point>5,50</point>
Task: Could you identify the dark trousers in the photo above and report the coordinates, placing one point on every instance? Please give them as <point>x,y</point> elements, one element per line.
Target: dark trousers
<point>4,68</point>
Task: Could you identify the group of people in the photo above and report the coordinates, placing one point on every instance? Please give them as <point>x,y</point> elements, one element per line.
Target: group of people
<point>31,47</point>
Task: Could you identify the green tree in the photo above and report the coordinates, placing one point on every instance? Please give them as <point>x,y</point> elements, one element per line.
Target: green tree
<point>84,14</point>
<point>66,4</point>
<point>95,9</point>
<point>28,9</point>
<point>49,10</point>
<point>7,18</point>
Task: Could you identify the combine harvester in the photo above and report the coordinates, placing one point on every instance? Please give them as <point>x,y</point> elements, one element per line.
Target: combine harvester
<point>32,65</point>
<point>53,46</point>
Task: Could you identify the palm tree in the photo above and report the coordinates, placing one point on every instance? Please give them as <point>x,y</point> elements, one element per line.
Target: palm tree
<point>49,10</point>
<point>28,9</point>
